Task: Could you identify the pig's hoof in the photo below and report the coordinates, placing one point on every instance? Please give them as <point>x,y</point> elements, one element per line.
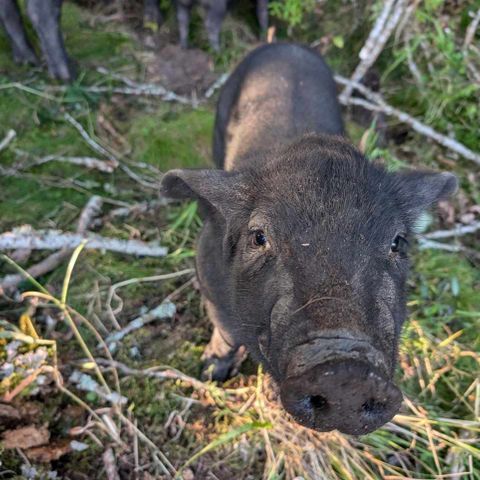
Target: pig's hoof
<point>64,71</point>
<point>219,369</point>
<point>25,57</point>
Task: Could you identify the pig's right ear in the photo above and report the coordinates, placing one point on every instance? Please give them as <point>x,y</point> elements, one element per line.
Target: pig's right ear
<point>216,190</point>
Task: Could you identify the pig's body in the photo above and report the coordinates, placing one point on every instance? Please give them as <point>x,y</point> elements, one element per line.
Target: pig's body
<point>278,93</point>
<point>45,18</point>
<point>303,254</point>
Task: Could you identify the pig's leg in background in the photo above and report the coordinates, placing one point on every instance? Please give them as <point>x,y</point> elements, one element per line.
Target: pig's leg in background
<point>11,20</point>
<point>183,18</point>
<point>213,22</point>
<point>262,15</point>
<point>45,17</point>
<point>221,358</point>
<point>152,16</point>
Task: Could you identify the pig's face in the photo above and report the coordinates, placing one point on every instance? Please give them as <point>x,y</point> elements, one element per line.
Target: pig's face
<point>315,241</point>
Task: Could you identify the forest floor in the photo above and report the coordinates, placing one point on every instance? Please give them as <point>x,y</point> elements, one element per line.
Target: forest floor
<point>166,421</point>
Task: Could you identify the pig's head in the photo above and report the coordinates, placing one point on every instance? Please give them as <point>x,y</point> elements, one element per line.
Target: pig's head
<point>315,240</point>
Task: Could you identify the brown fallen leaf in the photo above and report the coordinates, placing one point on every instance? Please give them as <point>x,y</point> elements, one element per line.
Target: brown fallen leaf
<point>49,453</point>
<point>25,437</point>
<point>8,413</point>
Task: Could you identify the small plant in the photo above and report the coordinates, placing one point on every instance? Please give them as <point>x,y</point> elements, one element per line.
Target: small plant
<point>291,11</point>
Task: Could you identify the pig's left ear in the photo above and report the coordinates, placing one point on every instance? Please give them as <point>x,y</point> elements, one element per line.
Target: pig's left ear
<point>423,189</point>
<point>216,190</point>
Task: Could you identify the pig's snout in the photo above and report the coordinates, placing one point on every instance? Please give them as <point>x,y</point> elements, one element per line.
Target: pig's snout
<point>345,391</point>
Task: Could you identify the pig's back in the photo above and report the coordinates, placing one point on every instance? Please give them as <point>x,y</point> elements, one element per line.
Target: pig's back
<point>277,93</point>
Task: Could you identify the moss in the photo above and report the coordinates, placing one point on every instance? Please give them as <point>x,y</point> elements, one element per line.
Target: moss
<point>172,138</point>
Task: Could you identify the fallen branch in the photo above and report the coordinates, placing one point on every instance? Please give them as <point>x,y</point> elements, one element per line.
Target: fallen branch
<point>89,162</point>
<point>162,373</point>
<point>166,309</point>
<point>458,231</point>
<point>110,464</point>
<point>471,29</point>
<point>56,240</point>
<point>426,244</point>
<point>112,292</point>
<point>11,134</point>
<point>90,141</point>
<point>377,104</point>
<point>85,382</point>
<point>135,88</point>
<point>90,211</point>
<point>219,82</point>
<point>379,35</point>
<point>139,208</point>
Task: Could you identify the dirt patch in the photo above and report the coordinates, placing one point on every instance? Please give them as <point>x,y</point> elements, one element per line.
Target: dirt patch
<point>184,71</point>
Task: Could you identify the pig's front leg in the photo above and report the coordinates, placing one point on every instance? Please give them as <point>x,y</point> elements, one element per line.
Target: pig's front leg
<point>152,16</point>
<point>262,15</point>
<point>222,357</point>
<point>213,22</point>
<point>11,20</point>
<point>45,17</point>
<point>183,18</point>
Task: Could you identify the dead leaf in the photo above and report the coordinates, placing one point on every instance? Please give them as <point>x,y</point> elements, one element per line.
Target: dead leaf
<point>49,453</point>
<point>25,437</point>
<point>8,413</point>
<point>447,212</point>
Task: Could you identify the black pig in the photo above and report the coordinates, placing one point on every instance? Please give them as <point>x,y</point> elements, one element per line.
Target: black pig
<point>215,13</point>
<point>45,18</point>
<point>303,255</point>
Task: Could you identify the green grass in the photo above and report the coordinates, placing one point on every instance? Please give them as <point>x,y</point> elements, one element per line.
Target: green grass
<point>238,428</point>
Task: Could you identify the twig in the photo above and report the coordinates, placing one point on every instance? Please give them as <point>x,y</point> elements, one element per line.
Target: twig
<point>221,80</point>
<point>472,28</point>
<point>92,143</point>
<point>377,104</point>
<point>139,179</point>
<point>458,231</point>
<point>134,88</point>
<point>110,464</point>
<point>165,373</point>
<point>86,383</point>
<point>426,244</point>
<point>138,208</point>
<point>89,162</point>
<point>166,309</point>
<point>90,211</point>
<point>113,289</point>
<point>379,35</point>
<point>55,240</point>
<point>11,134</point>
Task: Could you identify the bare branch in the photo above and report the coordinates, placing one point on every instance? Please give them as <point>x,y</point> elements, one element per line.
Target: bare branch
<point>165,310</point>
<point>56,240</point>
<point>89,162</point>
<point>138,208</point>
<point>90,211</point>
<point>11,134</point>
<point>110,464</point>
<point>458,231</point>
<point>90,141</point>
<point>154,372</point>
<point>472,28</point>
<point>221,80</point>
<point>377,104</point>
<point>379,35</point>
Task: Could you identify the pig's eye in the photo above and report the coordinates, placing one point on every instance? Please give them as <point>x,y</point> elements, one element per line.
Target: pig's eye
<point>399,245</point>
<point>259,239</point>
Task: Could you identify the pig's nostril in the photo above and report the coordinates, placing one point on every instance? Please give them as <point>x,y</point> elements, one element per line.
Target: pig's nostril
<point>318,403</point>
<point>373,408</point>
